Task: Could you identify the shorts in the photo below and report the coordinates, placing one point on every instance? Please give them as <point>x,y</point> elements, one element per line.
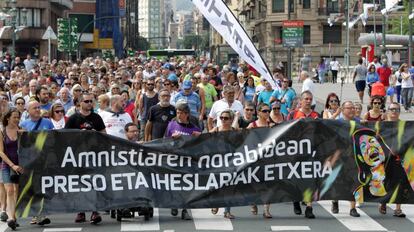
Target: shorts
<point>360,85</point>
<point>7,177</point>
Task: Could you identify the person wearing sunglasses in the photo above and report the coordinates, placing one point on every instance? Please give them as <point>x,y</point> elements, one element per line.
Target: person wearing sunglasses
<point>226,117</point>
<point>375,113</point>
<point>276,115</point>
<point>263,120</point>
<point>332,109</point>
<point>57,116</point>
<point>86,119</point>
<point>247,117</point>
<point>393,115</point>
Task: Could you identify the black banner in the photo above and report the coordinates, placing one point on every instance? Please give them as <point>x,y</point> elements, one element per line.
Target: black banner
<point>74,171</point>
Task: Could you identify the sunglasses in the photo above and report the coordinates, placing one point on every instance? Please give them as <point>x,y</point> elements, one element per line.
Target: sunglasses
<point>224,118</point>
<point>276,108</point>
<point>167,84</point>
<point>247,109</point>
<point>87,101</point>
<point>333,101</point>
<point>265,111</point>
<point>150,84</point>
<point>395,110</point>
<point>376,103</point>
<point>59,111</point>
<point>68,84</point>
<point>77,90</point>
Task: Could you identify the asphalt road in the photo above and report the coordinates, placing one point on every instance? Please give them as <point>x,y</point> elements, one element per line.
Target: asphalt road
<point>283,220</point>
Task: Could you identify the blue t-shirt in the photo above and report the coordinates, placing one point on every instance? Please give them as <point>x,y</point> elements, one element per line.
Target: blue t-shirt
<point>46,107</point>
<point>288,95</point>
<point>193,101</point>
<point>372,77</point>
<point>249,93</point>
<point>29,125</point>
<point>264,97</point>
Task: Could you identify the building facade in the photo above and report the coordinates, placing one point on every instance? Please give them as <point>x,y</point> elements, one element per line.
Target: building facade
<point>152,23</point>
<point>263,19</point>
<point>40,15</point>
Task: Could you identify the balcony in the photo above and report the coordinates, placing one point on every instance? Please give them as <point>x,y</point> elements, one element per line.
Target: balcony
<point>67,4</point>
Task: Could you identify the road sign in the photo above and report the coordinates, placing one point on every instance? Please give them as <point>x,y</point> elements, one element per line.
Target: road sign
<point>292,33</point>
<point>67,34</point>
<point>49,34</point>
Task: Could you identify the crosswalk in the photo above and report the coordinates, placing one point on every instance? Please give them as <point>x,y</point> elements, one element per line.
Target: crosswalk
<point>283,220</point>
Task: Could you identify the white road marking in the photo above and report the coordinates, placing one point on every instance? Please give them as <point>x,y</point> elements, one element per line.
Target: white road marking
<point>138,224</point>
<point>408,210</point>
<point>289,228</point>
<point>205,220</point>
<point>62,229</point>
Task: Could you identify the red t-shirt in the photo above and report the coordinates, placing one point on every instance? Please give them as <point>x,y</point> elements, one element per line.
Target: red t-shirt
<point>384,74</point>
<point>297,114</point>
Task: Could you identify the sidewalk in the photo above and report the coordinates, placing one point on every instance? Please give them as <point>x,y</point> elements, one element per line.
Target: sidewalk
<point>348,93</point>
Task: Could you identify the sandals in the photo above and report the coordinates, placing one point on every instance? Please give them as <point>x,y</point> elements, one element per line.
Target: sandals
<point>214,211</point>
<point>399,213</point>
<point>382,208</point>
<point>267,215</point>
<point>228,215</point>
<point>254,209</point>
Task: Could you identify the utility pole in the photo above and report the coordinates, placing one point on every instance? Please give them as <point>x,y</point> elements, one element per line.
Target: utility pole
<point>289,54</point>
<point>384,25</point>
<point>375,27</point>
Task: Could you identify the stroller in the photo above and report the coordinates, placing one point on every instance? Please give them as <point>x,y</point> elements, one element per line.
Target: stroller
<point>147,212</point>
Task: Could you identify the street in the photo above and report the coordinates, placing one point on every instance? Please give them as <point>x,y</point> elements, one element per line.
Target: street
<point>283,220</point>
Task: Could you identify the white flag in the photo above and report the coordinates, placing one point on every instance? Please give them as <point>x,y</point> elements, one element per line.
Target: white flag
<point>223,20</point>
<point>389,5</point>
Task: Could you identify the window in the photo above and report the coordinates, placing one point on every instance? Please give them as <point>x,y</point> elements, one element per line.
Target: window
<point>332,6</point>
<point>306,34</point>
<point>278,6</point>
<point>370,28</point>
<point>306,4</point>
<point>332,34</point>
<point>83,20</point>
<point>33,17</point>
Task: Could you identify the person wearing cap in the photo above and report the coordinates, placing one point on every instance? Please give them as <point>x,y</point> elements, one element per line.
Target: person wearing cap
<point>193,99</point>
<point>210,93</point>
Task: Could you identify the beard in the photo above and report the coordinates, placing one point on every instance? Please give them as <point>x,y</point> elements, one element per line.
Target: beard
<point>164,103</point>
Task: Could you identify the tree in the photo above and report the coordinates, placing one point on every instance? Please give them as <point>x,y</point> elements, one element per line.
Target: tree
<point>143,44</point>
<point>192,41</point>
<point>396,22</point>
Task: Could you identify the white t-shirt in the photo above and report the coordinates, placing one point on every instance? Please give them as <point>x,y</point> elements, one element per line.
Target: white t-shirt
<point>221,105</point>
<point>406,83</point>
<point>115,124</point>
<point>309,85</point>
<point>334,65</point>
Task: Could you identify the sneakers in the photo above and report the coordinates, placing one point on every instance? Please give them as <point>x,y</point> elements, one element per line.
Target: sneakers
<point>12,224</point>
<point>308,213</point>
<point>33,221</point>
<point>95,218</point>
<point>185,215</point>
<point>3,216</point>
<point>335,207</point>
<point>80,218</point>
<point>41,221</point>
<point>399,213</point>
<point>354,213</point>
<point>296,208</point>
<point>174,212</point>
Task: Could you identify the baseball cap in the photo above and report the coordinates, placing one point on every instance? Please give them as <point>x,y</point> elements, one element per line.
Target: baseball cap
<point>166,66</point>
<point>187,84</point>
<point>172,77</point>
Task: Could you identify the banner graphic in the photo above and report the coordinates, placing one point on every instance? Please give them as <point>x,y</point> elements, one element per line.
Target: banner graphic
<point>75,171</point>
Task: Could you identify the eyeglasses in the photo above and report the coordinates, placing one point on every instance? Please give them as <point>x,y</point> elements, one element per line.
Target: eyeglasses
<point>333,101</point>
<point>247,109</point>
<point>265,111</point>
<point>377,103</point>
<point>395,110</point>
<point>87,101</point>
<point>224,118</point>
<point>59,111</point>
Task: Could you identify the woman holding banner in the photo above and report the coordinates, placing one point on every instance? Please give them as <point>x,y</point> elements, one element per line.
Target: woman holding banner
<point>263,120</point>
<point>226,118</point>
<point>9,166</point>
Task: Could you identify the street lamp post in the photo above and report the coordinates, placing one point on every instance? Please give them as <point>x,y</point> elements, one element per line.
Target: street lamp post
<point>13,12</point>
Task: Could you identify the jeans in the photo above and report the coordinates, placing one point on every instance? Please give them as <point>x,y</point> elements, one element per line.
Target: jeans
<point>321,75</point>
<point>407,97</point>
<point>334,75</point>
<point>226,209</point>
<point>398,90</point>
